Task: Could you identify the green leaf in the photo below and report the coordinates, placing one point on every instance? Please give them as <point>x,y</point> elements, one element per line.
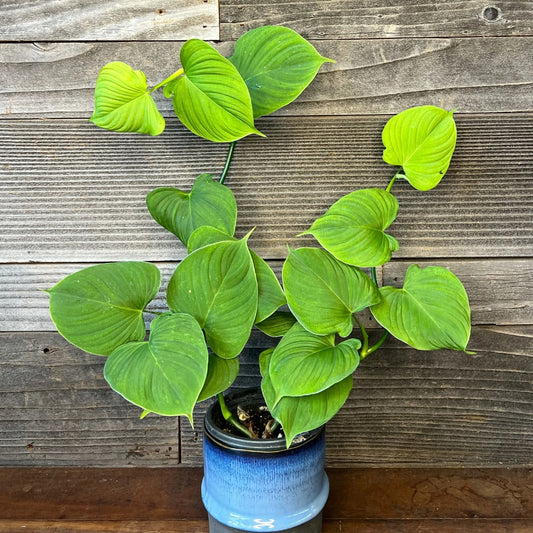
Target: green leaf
<point>277,64</point>
<point>123,103</point>
<point>216,284</point>
<point>270,293</point>
<point>209,203</point>
<point>277,324</point>
<point>221,373</point>
<point>264,361</point>
<point>323,293</point>
<point>211,98</point>
<point>206,235</point>
<point>101,307</point>
<point>304,413</point>
<point>422,141</point>
<point>304,363</point>
<point>270,296</point>
<point>353,228</point>
<point>430,312</point>
<point>165,374</point>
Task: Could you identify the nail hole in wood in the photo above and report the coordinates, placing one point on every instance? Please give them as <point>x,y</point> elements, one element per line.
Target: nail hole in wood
<point>491,13</point>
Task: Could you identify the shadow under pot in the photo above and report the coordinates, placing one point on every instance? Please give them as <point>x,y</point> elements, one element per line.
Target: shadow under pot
<point>260,485</point>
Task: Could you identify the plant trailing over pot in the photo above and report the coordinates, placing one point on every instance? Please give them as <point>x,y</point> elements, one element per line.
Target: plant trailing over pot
<point>222,289</point>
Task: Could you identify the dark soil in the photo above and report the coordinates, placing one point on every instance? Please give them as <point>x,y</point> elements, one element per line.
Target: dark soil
<point>258,421</point>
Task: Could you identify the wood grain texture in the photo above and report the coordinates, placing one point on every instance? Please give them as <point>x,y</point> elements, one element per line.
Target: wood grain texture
<point>74,193</point>
<point>406,408</point>
<point>73,494</point>
<point>358,19</point>
<point>472,525</point>
<point>125,20</point>
<point>500,290</point>
<point>56,409</point>
<point>370,76</point>
<point>410,408</point>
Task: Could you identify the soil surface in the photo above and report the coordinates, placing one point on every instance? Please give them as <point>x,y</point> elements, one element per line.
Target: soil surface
<point>258,421</point>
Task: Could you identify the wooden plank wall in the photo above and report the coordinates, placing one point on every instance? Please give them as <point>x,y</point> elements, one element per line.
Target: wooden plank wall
<point>74,195</point>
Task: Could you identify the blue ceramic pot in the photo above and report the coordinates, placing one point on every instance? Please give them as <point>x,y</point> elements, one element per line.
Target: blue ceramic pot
<point>259,485</point>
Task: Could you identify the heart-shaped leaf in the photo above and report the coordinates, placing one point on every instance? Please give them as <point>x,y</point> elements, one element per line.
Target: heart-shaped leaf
<point>430,312</point>
<point>323,293</point>
<point>421,140</point>
<point>211,98</point>
<point>123,103</point>
<point>277,324</point>
<point>221,373</point>
<point>101,307</point>
<point>277,64</point>
<point>208,204</point>
<point>304,363</point>
<point>165,374</point>
<point>216,284</point>
<point>206,235</point>
<point>270,293</point>
<point>302,413</point>
<point>353,228</point>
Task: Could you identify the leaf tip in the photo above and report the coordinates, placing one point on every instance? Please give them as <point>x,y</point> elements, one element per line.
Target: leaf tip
<point>247,236</point>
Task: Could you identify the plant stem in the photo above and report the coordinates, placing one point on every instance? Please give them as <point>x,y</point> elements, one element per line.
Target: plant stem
<point>374,276</point>
<point>397,175</point>
<point>229,417</point>
<point>170,78</point>
<point>382,339</point>
<point>364,348</point>
<point>229,157</point>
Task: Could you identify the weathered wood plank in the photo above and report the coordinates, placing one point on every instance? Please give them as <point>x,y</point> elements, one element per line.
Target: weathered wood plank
<point>106,526</point>
<point>500,291</point>
<point>370,76</point>
<point>141,494</point>
<point>72,192</point>
<point>120,20</point>
<point>358,19</point>
<point>447,525</point>
<point>56,409</point>
<point>407,407</point>
<point>412,408</point>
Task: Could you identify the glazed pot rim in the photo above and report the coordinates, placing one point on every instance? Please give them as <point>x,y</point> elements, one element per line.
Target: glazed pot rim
<point>252,396</point>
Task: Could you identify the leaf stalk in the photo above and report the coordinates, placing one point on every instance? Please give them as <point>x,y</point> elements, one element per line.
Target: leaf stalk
<point>229,417</point>
<point>229,157</point>
<point>394,178</point>
<point>176,74</point>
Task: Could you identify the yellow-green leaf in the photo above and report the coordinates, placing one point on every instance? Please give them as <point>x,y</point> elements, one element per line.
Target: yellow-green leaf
<point>123,103</point>
<point>421,140</point>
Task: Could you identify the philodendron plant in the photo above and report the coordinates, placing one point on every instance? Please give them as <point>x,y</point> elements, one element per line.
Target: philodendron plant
<point>222,289</point>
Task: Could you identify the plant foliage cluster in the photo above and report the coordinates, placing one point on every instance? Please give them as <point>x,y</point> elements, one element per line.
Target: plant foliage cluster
<point>223,289</point>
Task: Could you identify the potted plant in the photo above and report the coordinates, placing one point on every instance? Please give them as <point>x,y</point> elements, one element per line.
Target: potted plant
<point>222,289</point>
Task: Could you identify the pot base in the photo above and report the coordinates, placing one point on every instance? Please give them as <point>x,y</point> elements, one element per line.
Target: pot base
<point>313,526</point>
